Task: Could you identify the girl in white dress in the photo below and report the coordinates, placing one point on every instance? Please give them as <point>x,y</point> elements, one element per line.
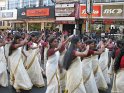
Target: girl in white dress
<point>19,78</point>
<point>32,63</point>
<point>73,65</point>
<point>3,65</point>
<point>53,84</point>
<point>103,61</point>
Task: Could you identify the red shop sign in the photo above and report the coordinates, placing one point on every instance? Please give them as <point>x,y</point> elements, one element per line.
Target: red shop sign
<point>96,11</point>
<point>38,12</point>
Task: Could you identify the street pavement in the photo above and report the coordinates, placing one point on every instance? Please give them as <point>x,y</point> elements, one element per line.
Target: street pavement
<point>10,89</point>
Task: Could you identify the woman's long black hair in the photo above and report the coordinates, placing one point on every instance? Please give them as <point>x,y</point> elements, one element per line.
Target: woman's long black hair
<point>11,49</point>
<point>68,58</point>
<point>118,59</point>
<point>51,39</point>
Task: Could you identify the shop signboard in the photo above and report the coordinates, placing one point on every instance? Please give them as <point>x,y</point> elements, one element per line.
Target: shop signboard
<point>112,11</point>
<point>21,13</point>
<point>36,13</point>
<point>63,10</point>
<point>66,1</point>
<point>77,8</point>
<point>8,14</point>
<point>96,11</point>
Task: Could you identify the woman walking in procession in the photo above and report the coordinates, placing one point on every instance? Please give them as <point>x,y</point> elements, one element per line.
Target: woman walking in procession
<point>19,78</point>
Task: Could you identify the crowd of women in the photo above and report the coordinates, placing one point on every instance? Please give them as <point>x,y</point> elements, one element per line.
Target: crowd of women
<point>71,64</point>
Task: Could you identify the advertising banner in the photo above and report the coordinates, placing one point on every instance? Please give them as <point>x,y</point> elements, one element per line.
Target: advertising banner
<point>8,14</point>
<point>36,13</point>
<point>96,11</point>
<point>64,10</point>
<point>112,11</point>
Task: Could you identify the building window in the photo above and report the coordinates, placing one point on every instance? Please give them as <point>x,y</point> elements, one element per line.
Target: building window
<point>2,8</point>
<point>25,3</point>
<point>48,3</point>
<point>101,1</point>
<point>33,3</point>
<point>0,23</point>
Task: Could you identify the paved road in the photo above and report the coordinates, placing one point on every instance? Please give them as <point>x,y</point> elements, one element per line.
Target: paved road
<point>37,90</point>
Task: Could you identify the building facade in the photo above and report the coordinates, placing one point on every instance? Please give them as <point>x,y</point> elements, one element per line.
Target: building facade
<point>12,4</point>
<point>106,14</point>
<point>31,22</point>
<point>4,24</point>
<point>102,1</point>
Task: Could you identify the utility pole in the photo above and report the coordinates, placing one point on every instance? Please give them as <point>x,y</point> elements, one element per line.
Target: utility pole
<point>89,10</point>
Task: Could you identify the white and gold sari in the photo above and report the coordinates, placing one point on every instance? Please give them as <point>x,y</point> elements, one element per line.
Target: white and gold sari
<point>63,73</point>
<point>7,46</point>
<point>88,76</point>
<point>99,78</point>
<point>3,69</point>
<point>18,75</point>
<point>74,82</point>
<point>33,67</point>
<point>118,82</point>
<point>111,71</point>
<point>53,85</point>
<point>103,61</point>
<point>45,56</point>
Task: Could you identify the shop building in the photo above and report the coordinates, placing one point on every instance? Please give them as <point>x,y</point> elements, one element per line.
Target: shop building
<point>35,18</point>
<point>42,14</point>
<point>104,16</point>
<point>3,24</point>
<point>67,15</point>
<point>12,4</point>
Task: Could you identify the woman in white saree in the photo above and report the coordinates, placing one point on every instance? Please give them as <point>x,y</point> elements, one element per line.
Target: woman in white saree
<point>3,65</point>
<point>6,54</point>
<point>32,65</point>
<point>99,78</point>
<point>118,81</point>
<point>103,61</point>
<point>114,55</point>
<point>95,81</point>
<point>53,84</point>
<point>88,76</point>
<point>19,78</point>
<point>72,63</point>
<point>62,71</point>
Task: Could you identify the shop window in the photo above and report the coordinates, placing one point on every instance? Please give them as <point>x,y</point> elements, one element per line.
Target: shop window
<point>34,26</point>
<point>49,26</point>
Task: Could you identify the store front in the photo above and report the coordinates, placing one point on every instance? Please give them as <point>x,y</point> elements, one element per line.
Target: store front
<point>104,17</point>
<point>66,16</point>
<point>95,23</point>
<point>36,19</point>
<point>6,16</point>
